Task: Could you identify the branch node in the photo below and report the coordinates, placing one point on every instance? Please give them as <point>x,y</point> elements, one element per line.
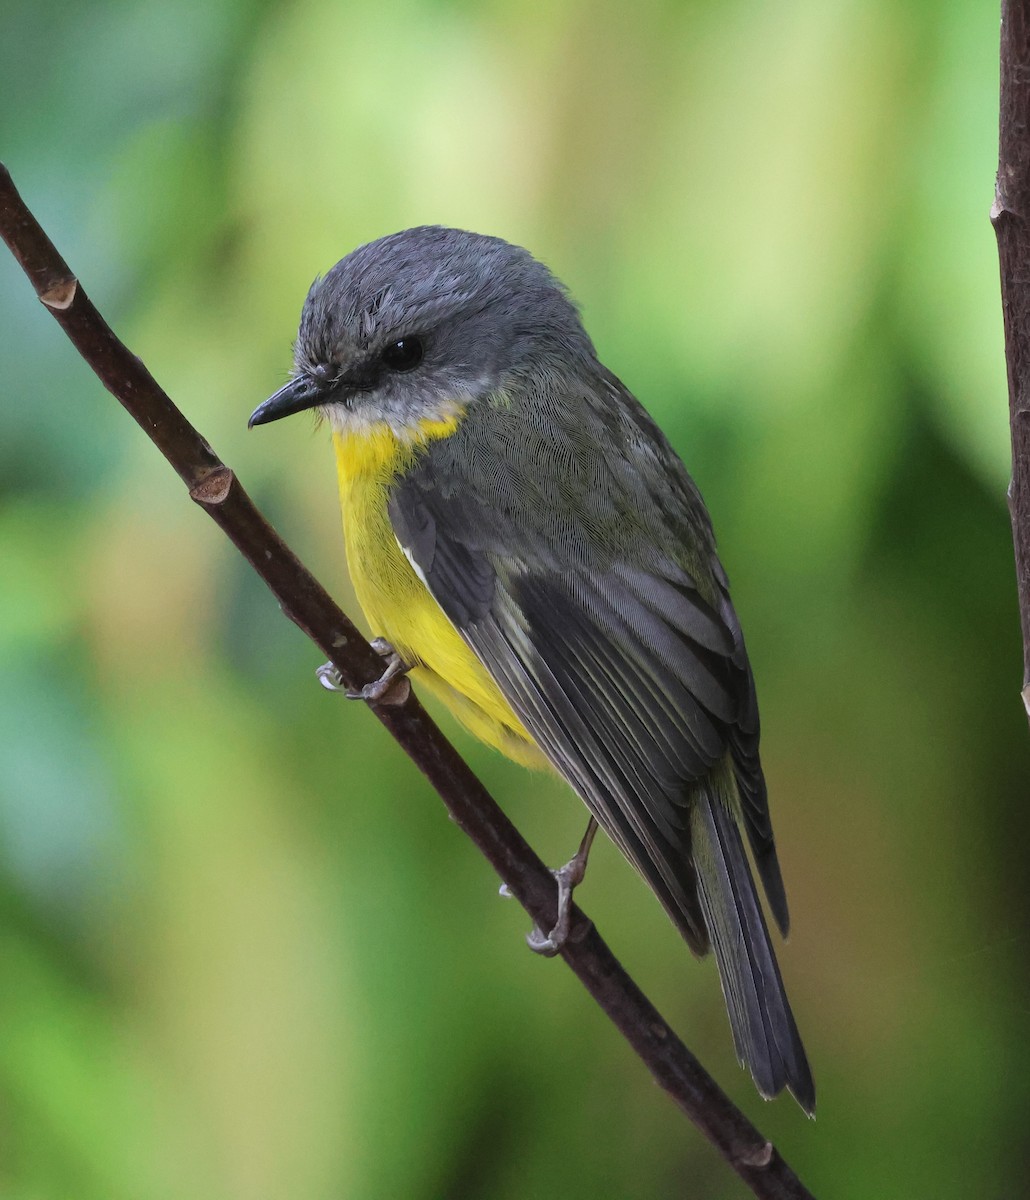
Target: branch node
<point>61,294</point>
<point>214,487</point>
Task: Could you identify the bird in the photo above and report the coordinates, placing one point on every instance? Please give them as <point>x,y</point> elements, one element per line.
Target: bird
<point>528,546</point>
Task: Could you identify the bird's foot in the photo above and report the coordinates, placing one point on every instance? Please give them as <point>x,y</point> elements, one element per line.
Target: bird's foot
<point>392,687</point>
<point>568,879</point>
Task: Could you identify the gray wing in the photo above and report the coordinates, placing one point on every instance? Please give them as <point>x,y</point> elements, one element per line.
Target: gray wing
<point>595,600</point>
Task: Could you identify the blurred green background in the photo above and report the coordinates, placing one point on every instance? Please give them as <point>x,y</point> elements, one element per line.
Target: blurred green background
<point>243,953</point>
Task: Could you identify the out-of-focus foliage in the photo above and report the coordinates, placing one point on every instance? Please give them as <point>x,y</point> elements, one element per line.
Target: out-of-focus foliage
<point>243,954</point>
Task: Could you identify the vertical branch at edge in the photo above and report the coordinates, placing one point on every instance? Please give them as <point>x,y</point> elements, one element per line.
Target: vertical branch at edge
<point>1010,216</point>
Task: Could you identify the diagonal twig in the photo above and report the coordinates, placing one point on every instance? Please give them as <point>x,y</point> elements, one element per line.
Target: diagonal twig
<point>217,490</point>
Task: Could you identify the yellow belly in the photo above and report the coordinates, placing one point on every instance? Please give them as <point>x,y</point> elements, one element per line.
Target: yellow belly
<point>397,604</point>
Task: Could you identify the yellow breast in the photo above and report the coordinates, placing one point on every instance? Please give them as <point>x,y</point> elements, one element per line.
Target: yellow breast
<point>397,604</point>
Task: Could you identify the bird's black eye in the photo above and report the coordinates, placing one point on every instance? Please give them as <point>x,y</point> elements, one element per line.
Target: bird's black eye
<point>403,355</point>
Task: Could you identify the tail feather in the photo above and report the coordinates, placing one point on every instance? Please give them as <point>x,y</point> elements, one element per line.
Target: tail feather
<point>764,1031</point>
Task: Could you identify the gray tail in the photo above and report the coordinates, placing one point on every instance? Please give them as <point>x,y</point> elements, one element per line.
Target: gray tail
<point>764,1032</point>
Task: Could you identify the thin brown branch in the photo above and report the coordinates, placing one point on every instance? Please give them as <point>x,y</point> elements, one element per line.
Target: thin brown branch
<point>217,490</point>
<point>1010,215</point>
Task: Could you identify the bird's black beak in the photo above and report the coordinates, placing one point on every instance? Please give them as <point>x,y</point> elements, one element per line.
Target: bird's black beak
<point>299,394</point>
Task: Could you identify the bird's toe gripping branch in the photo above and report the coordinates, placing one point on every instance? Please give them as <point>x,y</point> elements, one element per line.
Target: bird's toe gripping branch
<point>392,687</point>
<point>568,878</point>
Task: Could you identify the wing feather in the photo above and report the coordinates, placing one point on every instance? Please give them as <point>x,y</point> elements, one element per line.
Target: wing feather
<point>610,632</point>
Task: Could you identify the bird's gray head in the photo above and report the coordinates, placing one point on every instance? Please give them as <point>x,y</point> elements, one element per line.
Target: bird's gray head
<point>418,325</point>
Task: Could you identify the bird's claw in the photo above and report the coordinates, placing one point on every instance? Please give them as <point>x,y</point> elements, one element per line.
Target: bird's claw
<point>547,945</point>
<point>568,878</point>
<point>328,676</point>
<point>392,687</point>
